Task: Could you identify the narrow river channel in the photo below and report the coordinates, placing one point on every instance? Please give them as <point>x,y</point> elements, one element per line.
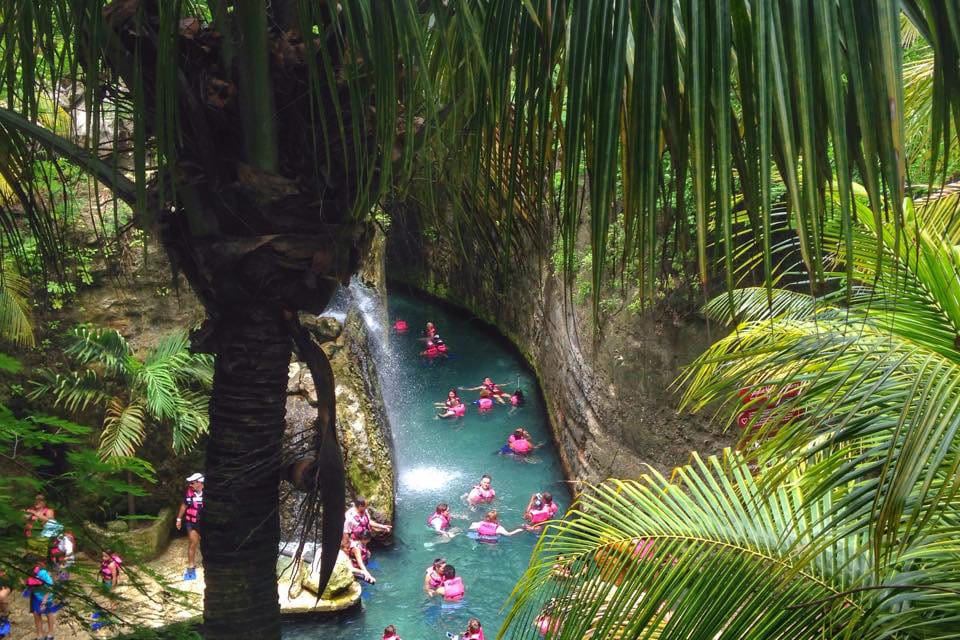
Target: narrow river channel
<point>439,461</point>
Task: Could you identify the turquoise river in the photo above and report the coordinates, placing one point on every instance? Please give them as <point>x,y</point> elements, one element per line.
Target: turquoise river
<point>439,461</point>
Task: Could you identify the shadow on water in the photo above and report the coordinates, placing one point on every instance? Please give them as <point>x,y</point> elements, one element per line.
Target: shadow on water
<point>439,461</point>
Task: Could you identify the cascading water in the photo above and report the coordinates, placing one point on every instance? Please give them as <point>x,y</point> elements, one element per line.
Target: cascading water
<point>439,461</point>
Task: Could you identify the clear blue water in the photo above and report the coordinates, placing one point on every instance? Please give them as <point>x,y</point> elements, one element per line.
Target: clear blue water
<point>440,460</point>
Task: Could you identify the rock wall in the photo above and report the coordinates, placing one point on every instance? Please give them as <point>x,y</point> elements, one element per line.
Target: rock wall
<point>609,393</point>
<point>362,426</point>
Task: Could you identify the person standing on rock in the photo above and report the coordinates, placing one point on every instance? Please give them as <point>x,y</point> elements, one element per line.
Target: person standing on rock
<point>190,516</point>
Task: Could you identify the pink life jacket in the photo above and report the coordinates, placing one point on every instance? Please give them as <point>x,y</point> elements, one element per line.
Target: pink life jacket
<point>361,524</point>
<point>194,502</point>
<point>432,351</point>
<point>472,636</point>
<point>519,445</point>
<point>442,348</point>
<point>485,404</point>
<point>106,575</point>
<point>435,578</point>
<point>540,515</point>
<point>460,410</point>
<point>32,579</point>
<point>514,400</point>
<point>393,637</point>
<point>445,520</point>
<point>400,326</point>
<point>453,589</point>
<point>483,495</point>
<point>488,529</point>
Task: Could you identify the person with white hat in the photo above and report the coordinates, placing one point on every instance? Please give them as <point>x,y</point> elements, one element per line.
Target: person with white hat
<point>190,516</point>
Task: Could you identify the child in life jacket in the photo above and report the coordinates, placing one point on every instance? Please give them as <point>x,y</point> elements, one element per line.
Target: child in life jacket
<point>540,509</point>
<point>452,407</point>
<point>433,577</point>
<point>489,529</point>
<point>482,493</point>
<point>452,588</point>
<point>390,633</point>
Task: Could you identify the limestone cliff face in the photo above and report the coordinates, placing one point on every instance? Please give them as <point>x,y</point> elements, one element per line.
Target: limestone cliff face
<point>362,426</point>
<point>609,393</point>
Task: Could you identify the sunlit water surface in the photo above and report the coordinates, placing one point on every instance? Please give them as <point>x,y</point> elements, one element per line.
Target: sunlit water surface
<point>439,460</point>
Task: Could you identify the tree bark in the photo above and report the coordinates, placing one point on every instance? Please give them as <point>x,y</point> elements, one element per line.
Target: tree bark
<point>241,523</point>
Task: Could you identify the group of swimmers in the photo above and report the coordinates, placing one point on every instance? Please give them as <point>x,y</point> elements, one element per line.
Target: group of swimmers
<point>441,578</point>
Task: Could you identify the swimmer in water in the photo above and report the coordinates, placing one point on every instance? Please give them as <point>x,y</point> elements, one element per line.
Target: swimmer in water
<point>439,520</point>
<point>453,407</point>
<point>540,509</point>
<point>517,399</point>
<point>493,388</point>
<point>485,402</point>
<point>390,633</point>
<point>489,529</point>
<point>519,443</point>
<point>482,493</point>
<point>452,588</point>
<point>359,555</point>
<point>429,331</point>
<point>434,576</point>
<point>436,348</point>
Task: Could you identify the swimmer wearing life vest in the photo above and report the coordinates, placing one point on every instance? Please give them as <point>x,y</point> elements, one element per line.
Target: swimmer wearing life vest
<point>519,443</point>
<point>453,407</point>
<point>356,521</point>
<point>359,553</point>
<point>439,520</point>
<point>452,588</point>
<point>429,331</point>
<point>482,493</point>
<point>517,399</point>
<point>489,529</point>
<point>485,401</point>
<point>494,389</point>
<point>390,633</point>
<point>540,509</point>
<point>436,348</point>
<point>433,578</point>
<point>474,631</point>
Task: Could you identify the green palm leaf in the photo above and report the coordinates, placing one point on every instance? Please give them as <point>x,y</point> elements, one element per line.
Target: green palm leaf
<point>719,553</point>
<point>103,347</point>
<point>15,324</point>
<point>74,391</point>
<point>124,429</point>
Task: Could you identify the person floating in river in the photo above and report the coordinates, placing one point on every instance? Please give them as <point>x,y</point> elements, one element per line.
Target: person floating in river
<point>540,509</point>
<point>493,388</point>
<point>489,529</point>
<point>429,331</point>
<point>485,401</point>
<point>390,633</point>
<point>436,348</point>
<point>453,407</point>
<point>434,575</point>
<point>439,520</point>
<point>482,493</point>
<point>452,588</point>
<point>517,399</point>
<point>519,443</point>
<point>190,517</point>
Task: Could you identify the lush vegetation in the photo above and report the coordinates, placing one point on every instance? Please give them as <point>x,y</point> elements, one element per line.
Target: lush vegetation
<point>260,136</point>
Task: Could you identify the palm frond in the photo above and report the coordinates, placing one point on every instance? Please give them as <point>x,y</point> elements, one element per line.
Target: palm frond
<point>103,347</point>
<point>15,323</point>
<point>74,391</point>
<point>192,421</point>
<point>717,553</point>
<point>124,429</point>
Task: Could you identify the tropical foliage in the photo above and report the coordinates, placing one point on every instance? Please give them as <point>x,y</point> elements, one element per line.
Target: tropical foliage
<point>720,551</point>
<point>170,386</point>
<point>839,518</point>
<point>15,323</point>
<point>263,132</point>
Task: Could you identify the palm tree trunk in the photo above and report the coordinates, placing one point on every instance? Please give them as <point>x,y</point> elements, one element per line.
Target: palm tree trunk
<point>241,521</point>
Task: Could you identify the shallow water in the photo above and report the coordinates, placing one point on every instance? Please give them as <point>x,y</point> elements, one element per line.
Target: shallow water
<point>440,460</point>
